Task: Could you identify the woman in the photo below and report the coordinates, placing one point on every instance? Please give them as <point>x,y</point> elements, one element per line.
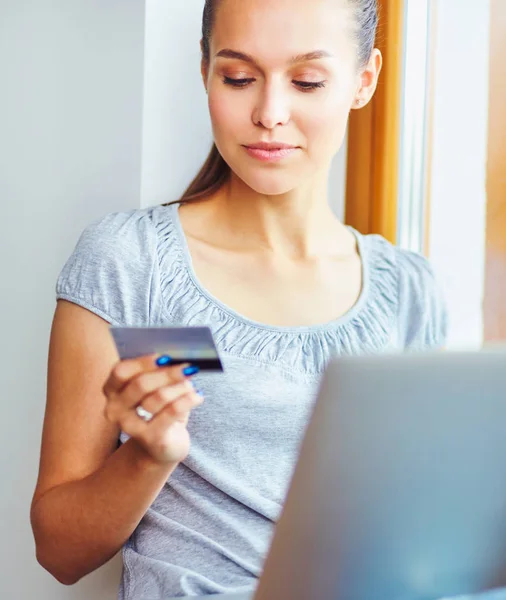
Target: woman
<point>254,251</point>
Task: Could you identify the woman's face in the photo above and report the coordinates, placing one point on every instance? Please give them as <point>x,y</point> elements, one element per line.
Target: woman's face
<point>294,84</point>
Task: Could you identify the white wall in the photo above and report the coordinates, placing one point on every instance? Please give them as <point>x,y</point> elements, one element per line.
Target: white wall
<point>70,147</point>
<point>177,134</point>
<point>177,130</point>
<point>458,192</point>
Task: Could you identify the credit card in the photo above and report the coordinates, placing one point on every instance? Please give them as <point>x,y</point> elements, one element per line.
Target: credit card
<point>193,345</point>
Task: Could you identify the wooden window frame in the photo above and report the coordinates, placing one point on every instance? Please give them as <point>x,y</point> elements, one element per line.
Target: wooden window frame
<point>372,178</point>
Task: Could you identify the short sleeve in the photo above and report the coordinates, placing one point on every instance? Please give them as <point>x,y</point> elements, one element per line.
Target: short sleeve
<point>113,270</point>
<point>422,317</point>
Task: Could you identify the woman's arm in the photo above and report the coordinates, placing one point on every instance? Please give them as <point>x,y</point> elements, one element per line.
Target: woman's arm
<point>89,496</point>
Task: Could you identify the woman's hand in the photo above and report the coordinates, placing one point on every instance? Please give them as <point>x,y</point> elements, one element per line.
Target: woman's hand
<point>152,403</point>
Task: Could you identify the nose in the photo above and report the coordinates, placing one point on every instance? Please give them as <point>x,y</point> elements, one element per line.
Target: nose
<point>272,107</point>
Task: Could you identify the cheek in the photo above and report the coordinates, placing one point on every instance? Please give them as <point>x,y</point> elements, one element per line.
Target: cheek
<point>226,111</point>
<point>324,125</point>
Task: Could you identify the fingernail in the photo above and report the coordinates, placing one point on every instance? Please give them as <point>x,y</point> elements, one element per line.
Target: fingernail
<point>163,360</point>
<point>190,371</point>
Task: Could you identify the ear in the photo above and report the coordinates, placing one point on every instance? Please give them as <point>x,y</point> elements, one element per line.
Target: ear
<point>204,66</point>
<point>368,80</point>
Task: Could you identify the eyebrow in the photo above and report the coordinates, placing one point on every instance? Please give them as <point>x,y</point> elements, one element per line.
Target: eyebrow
<point>315,55</point>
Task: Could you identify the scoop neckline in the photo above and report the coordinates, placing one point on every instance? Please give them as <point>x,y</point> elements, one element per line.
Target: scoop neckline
<point>337,323</point>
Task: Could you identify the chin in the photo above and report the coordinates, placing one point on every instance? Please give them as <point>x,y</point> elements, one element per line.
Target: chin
<point>273,183</point>
<point>271,188</point>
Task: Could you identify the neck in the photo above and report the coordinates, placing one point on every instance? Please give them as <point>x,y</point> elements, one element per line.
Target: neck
<point>298,224</point>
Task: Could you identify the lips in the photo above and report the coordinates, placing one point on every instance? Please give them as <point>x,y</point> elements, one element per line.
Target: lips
<point>270,146</point>
<point>270,151</point>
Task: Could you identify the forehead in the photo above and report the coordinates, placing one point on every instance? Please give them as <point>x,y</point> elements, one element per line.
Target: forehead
<point>276,30</point>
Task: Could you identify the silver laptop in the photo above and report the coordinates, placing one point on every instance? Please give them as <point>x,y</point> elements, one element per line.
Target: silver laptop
<point>400,488</point>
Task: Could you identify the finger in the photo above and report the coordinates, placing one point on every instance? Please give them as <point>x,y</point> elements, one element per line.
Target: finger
<point>180,410</point>
<point>124,370</point>
<point>166,418</point>
<point>165,395</point>
<point>144,385</point>
<point>135,426</point>
<point>141,385</point>
<point>131,424</point>
<point>155,435</point>
<point>183,406</point>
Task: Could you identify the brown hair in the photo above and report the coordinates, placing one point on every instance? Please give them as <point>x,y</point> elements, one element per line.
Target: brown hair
<point>215,171</point>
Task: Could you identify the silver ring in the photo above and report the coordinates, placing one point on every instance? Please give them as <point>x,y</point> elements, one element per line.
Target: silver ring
<point>144,414</point>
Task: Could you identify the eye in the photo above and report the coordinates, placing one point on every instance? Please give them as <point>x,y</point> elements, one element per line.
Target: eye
<point>306,86</point>
<point>239,83</point>
<point>310,85</point>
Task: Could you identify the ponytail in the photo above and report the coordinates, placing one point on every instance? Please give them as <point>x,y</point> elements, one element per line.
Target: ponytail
<point>215,171</point>
<point>213,174</point>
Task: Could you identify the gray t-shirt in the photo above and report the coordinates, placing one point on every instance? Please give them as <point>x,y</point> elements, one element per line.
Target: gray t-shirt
<point>209,529</point>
